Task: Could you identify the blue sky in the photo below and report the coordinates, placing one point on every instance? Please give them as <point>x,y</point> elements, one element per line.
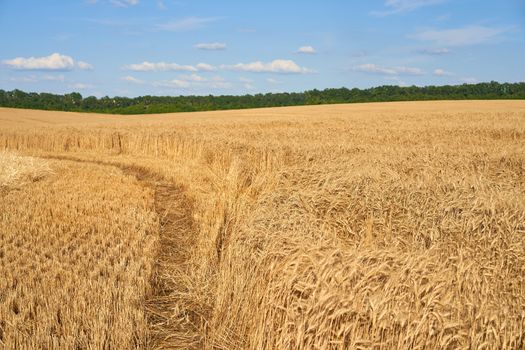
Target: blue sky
<point>168,47</point>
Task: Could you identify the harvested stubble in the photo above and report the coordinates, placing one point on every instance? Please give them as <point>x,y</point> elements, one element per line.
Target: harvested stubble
<point>396,225</point>
<point>75,260</point>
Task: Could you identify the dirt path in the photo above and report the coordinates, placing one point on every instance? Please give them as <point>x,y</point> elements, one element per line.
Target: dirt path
<point>173,323</point>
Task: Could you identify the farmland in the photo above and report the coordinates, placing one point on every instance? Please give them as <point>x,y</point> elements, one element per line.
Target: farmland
<point>385,225</point>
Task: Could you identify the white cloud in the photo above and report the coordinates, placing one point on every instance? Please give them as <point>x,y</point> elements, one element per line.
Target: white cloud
<point>306,49</point>
<point>211,46</point>
<point>186,24</point>
<point>372,68</point>
<point>116,3</point>
<point>160,66</point>
<point>165,66</point>
<point>401,6</point>
<point>84,65</point>
<point>469,35</point>
<point>276,66</point>
<point>442,73</point>
<point>375,69</point>
<point>409,70</point>
<point>175,83</point>
<point>54,61</point>
<point>193,77</point>
<point>81,86</point>
<point>205,67</point>
<point>124,3</point>
<point>188,83</point>
<point>131,79</point>
<point>245,80</point>
<point>436,51</point>
<point>194,82</point>
<point>273,81</point>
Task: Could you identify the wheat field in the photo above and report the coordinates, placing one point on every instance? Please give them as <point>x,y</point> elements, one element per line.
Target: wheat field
<point>363,226</point>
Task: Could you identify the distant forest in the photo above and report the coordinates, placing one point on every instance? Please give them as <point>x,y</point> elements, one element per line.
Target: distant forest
<point>164,104</point>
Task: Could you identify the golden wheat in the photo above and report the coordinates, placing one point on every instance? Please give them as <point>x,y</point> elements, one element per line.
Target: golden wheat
<point>393,225</point>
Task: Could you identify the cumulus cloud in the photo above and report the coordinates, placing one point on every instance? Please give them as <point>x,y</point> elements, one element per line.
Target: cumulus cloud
<point>306,49</point>
<point>186,24</point>
<point>54,61</point>
<point>205,67</point>
<point>84,65</point>
<point>276,66</point>
<point>400,70</point>
<point>442,73</point>
<point>159,66</point>
<point>163,66</point>
<point>211,46</point>
<point>469,35</point>
<point>401,6</point>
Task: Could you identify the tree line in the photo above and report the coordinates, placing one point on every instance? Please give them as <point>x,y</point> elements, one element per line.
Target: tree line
<point>164,104</point>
